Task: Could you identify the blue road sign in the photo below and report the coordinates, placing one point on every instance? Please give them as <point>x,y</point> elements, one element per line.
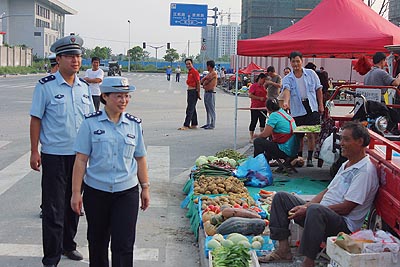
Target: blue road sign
<point>188,15</point>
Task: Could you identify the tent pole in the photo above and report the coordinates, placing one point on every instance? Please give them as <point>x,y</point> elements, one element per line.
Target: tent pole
<point>236,98</point>
<point>351,70</point>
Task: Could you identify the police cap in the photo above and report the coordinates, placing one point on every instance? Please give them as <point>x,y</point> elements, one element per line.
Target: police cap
<point>116,85</point>
<point>68,45</point>
<point>52,59</point>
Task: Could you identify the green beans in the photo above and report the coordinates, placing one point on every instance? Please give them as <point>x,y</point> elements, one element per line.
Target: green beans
<point>233,256</point>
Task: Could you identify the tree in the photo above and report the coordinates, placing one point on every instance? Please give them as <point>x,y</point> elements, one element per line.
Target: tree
<point>381,6</point>
<point>183,56</point>
<point>136,53</point>
<point>100,52</point>
<point>146,55</point>
<point>225,58</point>
<point>171,55</point>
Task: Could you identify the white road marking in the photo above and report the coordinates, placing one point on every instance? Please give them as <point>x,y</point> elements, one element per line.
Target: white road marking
<point>4,143</point>
<point>14,172</point>
<point>158,161</point>
<point>29,250</point>
<point>160,91</point>
<point>177,92</point>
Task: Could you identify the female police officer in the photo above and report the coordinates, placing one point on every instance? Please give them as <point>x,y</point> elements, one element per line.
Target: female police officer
<point>111,141</point>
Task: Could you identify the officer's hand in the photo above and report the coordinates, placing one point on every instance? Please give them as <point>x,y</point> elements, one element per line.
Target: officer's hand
<point>76,203</point>
<point>145,198</point>
<point>321,108</point>
<point>35,161</point>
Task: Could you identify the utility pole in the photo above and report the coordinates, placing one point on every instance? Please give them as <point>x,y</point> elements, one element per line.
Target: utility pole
<point>214,53</point>
<point>156,48</point>
<point>129,47</point>
<point>188,52</point>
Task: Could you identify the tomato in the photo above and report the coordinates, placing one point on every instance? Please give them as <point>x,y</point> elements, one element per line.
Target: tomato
<point>211,207</point>
<point>217,210</point>
<point>245,206</point>
<point>237,206</point>
<point>266,222</point>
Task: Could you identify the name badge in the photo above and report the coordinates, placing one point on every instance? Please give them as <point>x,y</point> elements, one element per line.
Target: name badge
<point>59,96</point>
<point>131,136</point>
<point>99,132</point>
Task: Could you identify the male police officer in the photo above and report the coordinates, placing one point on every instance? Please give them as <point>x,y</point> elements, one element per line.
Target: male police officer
<point>53,63</point>
<point>58,107</point>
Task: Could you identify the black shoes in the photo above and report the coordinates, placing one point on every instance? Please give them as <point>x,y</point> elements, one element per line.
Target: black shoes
<point>73,255</point>
<point>309,163</point>
<point>204,126</point>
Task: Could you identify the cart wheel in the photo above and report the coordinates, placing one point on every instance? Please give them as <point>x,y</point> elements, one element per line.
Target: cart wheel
<point>374,221</point>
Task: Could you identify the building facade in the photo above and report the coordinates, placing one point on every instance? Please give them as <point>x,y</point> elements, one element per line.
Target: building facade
<point>264,17</point>
<point>226,40</point>
<point>394,12</point>
<point>33,23</point>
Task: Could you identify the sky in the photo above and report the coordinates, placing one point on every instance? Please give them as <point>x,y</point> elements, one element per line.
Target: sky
<point>105,23</point>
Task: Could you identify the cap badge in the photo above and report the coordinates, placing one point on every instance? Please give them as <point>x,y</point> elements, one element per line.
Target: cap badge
<point>72,39</point>
<point>124,82</point>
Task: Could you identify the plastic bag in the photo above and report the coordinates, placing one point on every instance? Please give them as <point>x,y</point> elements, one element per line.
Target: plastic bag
<point>326,153</point>
<point>256,170</point>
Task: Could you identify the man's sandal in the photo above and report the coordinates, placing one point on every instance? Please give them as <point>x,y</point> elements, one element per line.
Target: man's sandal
<point>183,128</point>
<point>274,257</point>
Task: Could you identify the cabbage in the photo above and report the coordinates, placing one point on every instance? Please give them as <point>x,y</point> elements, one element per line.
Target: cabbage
<point>213,244</point>
<point>232,162</point>
<point>224,159</point>
<point>212,159</point>
<point>201,160</point>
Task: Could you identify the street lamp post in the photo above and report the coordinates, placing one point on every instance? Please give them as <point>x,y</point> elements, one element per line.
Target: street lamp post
<point>129,47</point>
<point>156,48</point>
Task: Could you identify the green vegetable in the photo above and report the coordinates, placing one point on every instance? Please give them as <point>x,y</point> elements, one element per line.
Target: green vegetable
<point>233,256</point>
<point>213,244</point>
<point>201,161</point>
<point>227,243</point>
<point>236,238</point>
<point>230,153</point>
<point>244,226</point>
<point>245,243</point>
<point>256,245</point>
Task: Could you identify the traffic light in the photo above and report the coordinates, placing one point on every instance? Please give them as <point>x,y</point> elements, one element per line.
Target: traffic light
<point>168,45</point>
<point>144,45</point>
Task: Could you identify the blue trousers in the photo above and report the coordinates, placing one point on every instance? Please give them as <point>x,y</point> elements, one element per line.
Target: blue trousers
<point>209,103</point>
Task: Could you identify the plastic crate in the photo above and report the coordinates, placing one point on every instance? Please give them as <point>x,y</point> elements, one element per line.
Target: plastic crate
<point>268,245</point>
<point>342,258</point>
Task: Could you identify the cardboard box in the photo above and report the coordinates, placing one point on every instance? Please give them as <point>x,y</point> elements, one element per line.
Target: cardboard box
<point>342,258</point>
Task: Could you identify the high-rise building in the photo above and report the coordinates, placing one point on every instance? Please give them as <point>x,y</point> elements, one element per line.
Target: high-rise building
<point>394,12</point>
<point>36,24</point>
<point>264,17</point>
<point>226,40</point>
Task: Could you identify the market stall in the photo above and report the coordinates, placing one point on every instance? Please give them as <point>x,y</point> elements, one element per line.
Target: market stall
<point>226,211</point>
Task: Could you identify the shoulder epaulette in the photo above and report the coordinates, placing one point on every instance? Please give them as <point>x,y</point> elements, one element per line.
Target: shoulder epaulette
<point>132,118</point>
<point>82,80</point>
<point>47,79</point>
<point>93,114</point>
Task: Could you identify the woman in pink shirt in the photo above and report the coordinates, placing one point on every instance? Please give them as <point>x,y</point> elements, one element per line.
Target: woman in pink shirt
<point>258,96</point>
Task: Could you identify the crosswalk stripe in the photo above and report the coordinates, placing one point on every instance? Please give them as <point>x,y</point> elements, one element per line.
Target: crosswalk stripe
<point>14,172</point>
<point>29,250</point>
<point>4,143</point>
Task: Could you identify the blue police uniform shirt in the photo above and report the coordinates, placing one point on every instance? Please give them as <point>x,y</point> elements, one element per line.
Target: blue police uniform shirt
<point>61,109</point>
<point>112,148</point>
<point>312,83</point>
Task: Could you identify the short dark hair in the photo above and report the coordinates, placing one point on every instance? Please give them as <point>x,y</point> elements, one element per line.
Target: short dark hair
<point>211,63</point>
<point>378,57</point>
<point>358,131</point>
<point>310,66</point>
<point>260,76</point>
<point>102,100</point>
<point>189,59</point>
<point>271,69</point>
<point>295,54</point>
<point>287,68</point>
<point>95,59</point>
<point>273,104</point>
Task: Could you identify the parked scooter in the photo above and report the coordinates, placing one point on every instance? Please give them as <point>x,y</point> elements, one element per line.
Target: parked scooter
<point>376,116</point>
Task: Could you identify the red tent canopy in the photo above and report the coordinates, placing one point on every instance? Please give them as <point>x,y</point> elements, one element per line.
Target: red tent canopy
<point>252,66</point>
<point>334,28</point>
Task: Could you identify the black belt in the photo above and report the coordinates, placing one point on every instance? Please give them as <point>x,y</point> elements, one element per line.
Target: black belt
<point>210,92</point>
